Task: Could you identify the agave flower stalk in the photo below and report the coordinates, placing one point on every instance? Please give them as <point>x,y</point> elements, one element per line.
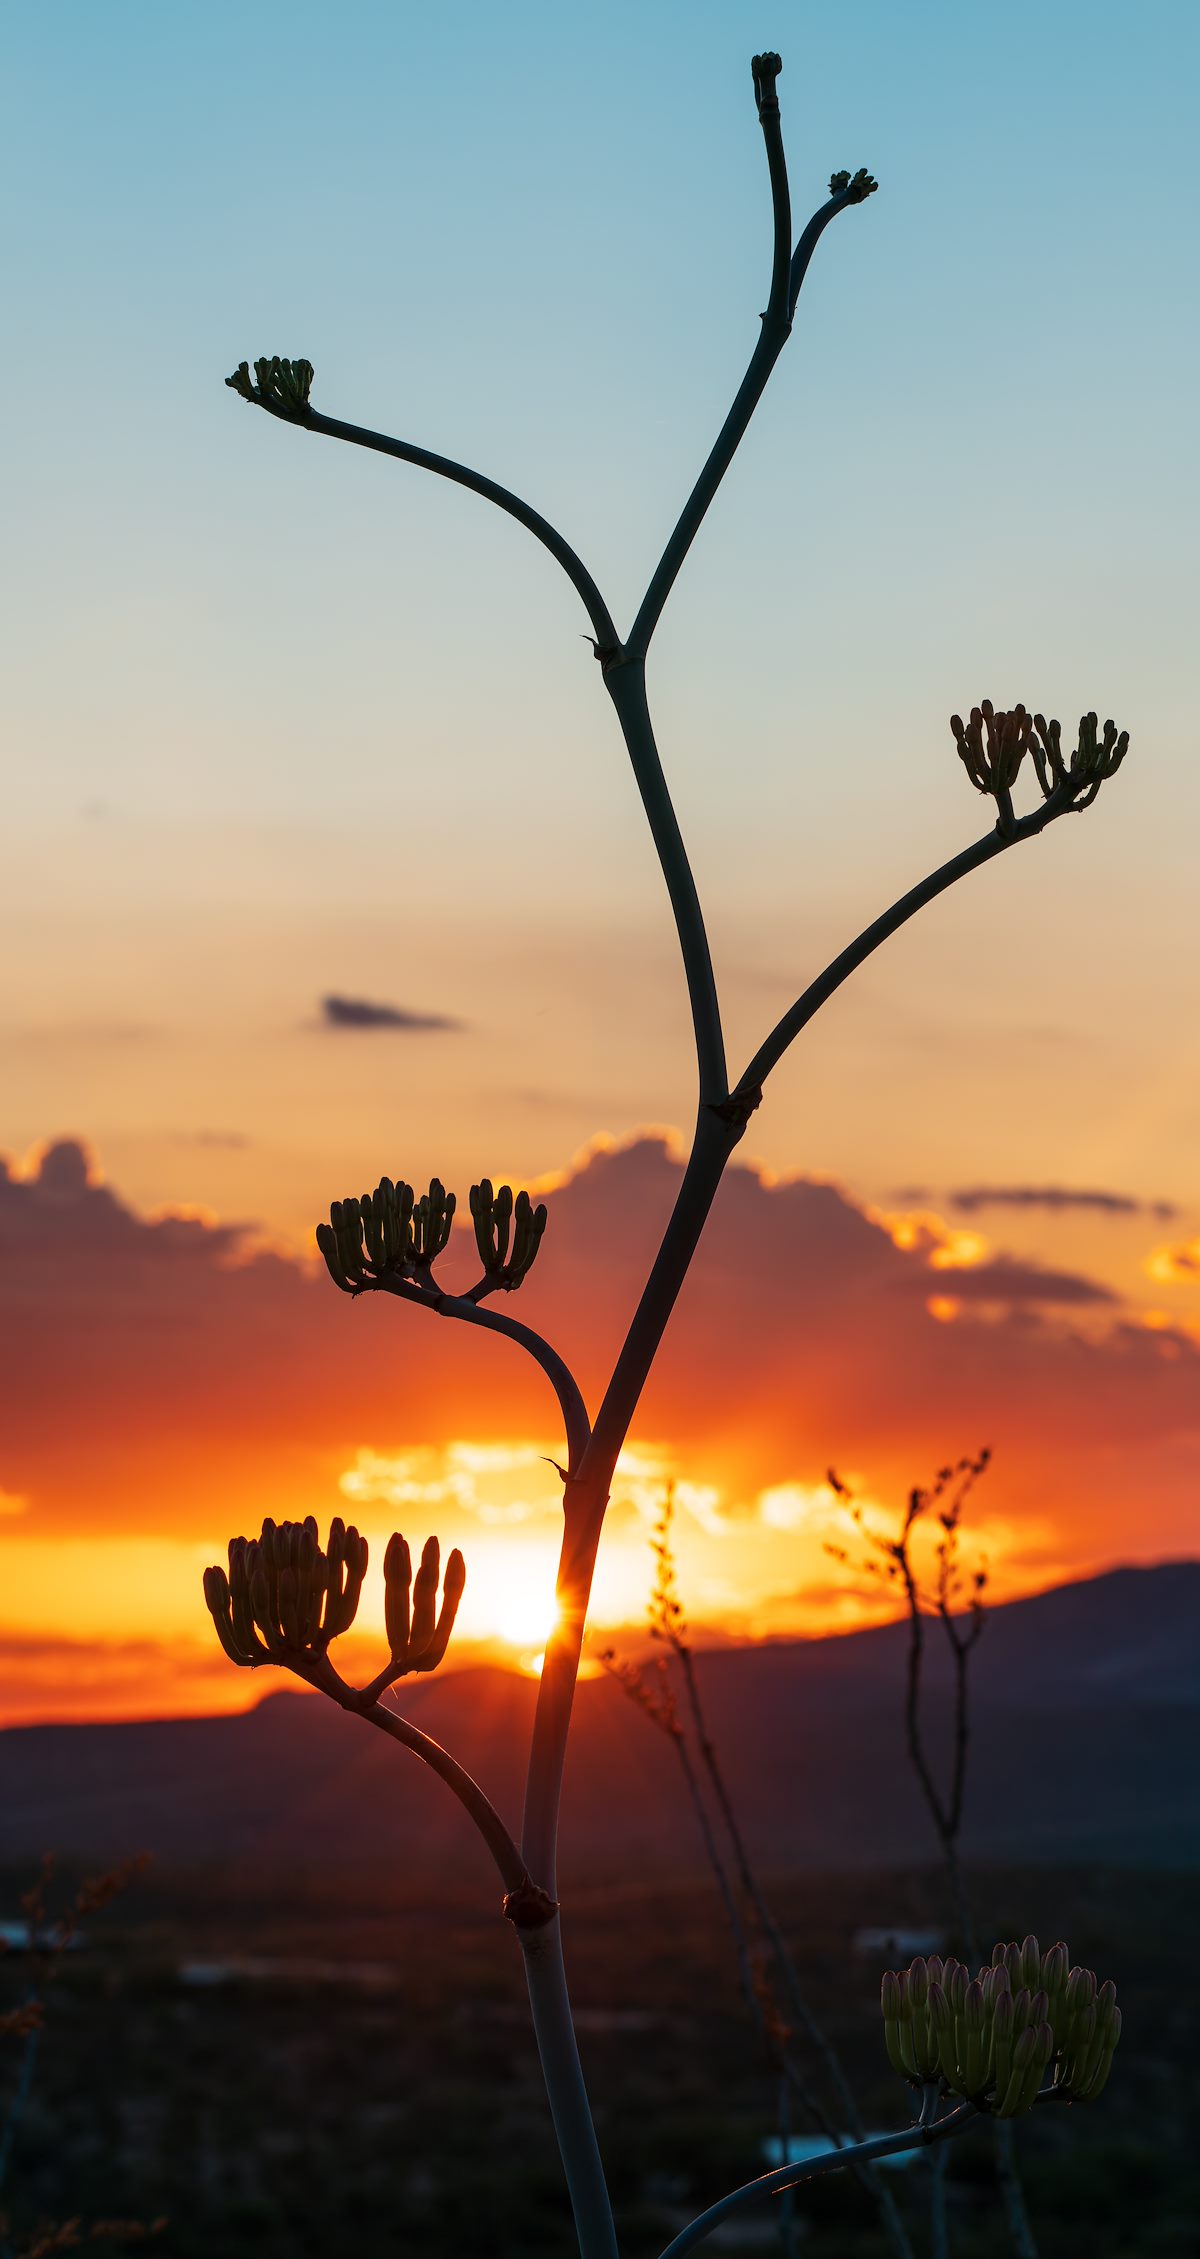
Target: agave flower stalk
<point>284,1599</point>
<point>393,1247</point>
<point>1025,2030</point>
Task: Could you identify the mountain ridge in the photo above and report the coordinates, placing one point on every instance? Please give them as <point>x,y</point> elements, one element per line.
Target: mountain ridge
<point>1086,1743</point>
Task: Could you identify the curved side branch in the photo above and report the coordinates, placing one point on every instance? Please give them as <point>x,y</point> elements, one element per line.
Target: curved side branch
<point>810,239</point>
<point>790,2176</point>
<point>576,1423</point>
<point>474,1802</point>
<point>443,467</point>
<point>880,930</point>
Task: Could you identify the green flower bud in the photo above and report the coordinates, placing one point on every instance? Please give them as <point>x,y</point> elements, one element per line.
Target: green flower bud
<point>1081,1991</point>
<point>765,70</point>
<point>1054,1969</point>
<point>281,386</point>
<point>896,2055</point>
<point>941,2014</point>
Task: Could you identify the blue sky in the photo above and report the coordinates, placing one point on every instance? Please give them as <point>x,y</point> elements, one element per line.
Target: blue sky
<point>256,678</point>
<point>284,721</point>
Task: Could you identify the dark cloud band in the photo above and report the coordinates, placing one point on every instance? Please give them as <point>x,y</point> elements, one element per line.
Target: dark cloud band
<point>357,1012</point>
<point>970,1198</point>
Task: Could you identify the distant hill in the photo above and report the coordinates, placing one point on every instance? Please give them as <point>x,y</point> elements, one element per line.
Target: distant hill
<point>1086,1743</point>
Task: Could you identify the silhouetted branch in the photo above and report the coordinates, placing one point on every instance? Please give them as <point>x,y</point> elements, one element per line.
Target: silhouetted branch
<point>557,1371</point>
<point>917,2136</point>
<point>786,279</point>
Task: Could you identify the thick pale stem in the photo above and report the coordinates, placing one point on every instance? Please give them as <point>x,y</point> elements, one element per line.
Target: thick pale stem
<point>554,2029</point>
<point>556,1689</point>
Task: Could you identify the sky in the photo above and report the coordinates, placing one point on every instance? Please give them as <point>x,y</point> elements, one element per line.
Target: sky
<point>290,729</point>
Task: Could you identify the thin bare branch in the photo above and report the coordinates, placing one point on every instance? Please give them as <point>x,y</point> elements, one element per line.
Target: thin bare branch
<point>749,1085</point>
<point>475,1803</point>
<point>403,451</point>
<point>471,1313</point>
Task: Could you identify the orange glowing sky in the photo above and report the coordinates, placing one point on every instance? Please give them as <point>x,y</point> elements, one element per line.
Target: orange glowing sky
<point>292,726</point>
<point>173,1378</point>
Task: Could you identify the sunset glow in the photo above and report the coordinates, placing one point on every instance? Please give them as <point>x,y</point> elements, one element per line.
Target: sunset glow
<point>325,860</point>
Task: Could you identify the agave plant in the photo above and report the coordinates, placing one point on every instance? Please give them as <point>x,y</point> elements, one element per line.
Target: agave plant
<point>390,1242</point>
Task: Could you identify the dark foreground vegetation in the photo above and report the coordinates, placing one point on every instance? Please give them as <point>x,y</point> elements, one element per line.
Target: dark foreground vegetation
<point>285,2067</point>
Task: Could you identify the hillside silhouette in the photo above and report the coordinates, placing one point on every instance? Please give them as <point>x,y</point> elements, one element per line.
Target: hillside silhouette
<point>1086,1745</point>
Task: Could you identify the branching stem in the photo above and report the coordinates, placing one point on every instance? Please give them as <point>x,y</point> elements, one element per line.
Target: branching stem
<point>792,2176</point>
<point>786,278</point>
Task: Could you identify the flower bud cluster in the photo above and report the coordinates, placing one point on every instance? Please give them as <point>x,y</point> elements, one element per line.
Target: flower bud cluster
<point>284,1598</point>
<point>282,386</point>
<point>1093,758</point>
<point>388,1231</point>
<point>992,746</point>
<point>856,188</point>
<point>495,1215</point>
<point>999,2037</point>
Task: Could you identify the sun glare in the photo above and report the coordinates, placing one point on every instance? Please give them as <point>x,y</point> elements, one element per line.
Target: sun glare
<point>512,1597</point>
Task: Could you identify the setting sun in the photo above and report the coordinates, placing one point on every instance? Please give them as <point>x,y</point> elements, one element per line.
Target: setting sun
<point>510,1595</point>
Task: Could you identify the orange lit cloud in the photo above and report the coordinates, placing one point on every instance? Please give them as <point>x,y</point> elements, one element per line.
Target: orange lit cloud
<point>171,1379</point>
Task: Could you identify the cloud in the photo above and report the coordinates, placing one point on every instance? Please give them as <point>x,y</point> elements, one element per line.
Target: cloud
<point>169,1374</point>
<point>356,1012</point>
<point>1006,1280</point>
<point>48,1677</point>
<point>1059,1199</point>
